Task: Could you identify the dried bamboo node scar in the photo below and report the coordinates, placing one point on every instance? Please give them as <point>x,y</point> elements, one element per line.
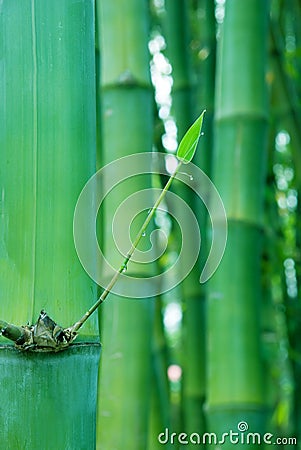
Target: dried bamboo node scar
<point>45,335</point>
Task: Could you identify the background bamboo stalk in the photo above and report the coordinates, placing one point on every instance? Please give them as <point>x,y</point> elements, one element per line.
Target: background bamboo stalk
<point>235,384</point>
<point>177,34</point>
<point>126,324</point>
<point>286,116</point>
<point>160,414</point>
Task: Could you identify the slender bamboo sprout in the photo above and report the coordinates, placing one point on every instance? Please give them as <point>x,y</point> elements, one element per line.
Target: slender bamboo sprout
<point>185,153</point>
<point>123,266</point>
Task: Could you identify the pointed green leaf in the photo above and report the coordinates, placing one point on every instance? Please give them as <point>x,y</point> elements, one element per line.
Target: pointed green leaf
<point>190,140</point>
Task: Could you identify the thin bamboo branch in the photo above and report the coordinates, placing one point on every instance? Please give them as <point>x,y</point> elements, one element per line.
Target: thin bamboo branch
<point>185,153</point>
<point>123,267</point>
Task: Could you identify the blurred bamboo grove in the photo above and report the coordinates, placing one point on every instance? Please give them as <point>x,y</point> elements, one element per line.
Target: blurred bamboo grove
<point>213,365</point>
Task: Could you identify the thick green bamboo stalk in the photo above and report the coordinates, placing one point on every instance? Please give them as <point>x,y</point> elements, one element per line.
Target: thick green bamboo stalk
<point>47,147</point>
<point>47,141</point>
<point>126,326</point>
<point>235,386</point>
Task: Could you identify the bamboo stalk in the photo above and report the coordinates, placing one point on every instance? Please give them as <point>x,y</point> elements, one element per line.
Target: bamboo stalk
<point>176,30</point>
<point>48,157</point>
<point>287,117</point>
<point>186,100</point>
<point>235,382</point>
<point>126,122</point>
<point>47,141</point>
<point>160,415</point>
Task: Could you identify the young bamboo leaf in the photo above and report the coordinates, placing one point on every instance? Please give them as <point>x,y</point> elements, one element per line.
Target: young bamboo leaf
<point>190,140</point>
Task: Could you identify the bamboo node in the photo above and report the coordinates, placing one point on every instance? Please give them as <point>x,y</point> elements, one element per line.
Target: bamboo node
<point>45,335</point>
